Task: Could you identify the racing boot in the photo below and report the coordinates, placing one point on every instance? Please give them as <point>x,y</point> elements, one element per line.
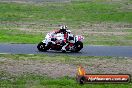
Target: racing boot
<point>64,48</point>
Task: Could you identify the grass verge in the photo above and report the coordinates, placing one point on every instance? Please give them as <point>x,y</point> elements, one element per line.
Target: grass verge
<point>65,12</point>
<point>17,36</point>
<point>30,79</point>
<point>41,18</point>
<point>36,81</point>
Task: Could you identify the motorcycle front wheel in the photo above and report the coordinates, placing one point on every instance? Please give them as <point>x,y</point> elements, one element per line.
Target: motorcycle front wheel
<point>41,47</point>
<point>78,46</point>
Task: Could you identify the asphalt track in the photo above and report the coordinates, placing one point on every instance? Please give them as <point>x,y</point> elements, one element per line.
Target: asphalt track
<point>122,51</point>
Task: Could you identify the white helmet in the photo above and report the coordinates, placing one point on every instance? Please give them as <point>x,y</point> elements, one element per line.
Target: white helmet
<point>63,28</point>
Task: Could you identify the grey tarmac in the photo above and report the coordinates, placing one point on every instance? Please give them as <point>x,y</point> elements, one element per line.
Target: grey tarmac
<point>89,50</point>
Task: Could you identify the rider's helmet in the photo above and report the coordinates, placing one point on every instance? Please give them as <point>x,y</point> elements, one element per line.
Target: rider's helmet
<point>63,28</point>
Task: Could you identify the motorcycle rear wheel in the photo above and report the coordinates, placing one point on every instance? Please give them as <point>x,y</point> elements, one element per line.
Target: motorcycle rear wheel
<point>41,47</point>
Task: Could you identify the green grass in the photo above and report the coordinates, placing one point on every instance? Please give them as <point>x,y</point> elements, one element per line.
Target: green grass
<point>100,39</point>
<point>32,80</point>
<point>64,12</point>
<point>43,17</point>
<point>49,58</point>
<point>36,81</point>
<point>16,36</point>
<point>75,60</point>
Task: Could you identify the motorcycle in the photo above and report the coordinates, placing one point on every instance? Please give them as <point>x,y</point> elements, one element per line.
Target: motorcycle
<point>55,42</point>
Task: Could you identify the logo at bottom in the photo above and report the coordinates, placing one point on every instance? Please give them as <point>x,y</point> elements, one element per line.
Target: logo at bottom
<point>82,77</point>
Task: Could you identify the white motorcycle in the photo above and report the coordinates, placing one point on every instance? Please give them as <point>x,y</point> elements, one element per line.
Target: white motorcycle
<point>54,42</point>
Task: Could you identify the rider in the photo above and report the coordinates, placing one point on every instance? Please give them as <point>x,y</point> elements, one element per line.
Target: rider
<point>63,29</point>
